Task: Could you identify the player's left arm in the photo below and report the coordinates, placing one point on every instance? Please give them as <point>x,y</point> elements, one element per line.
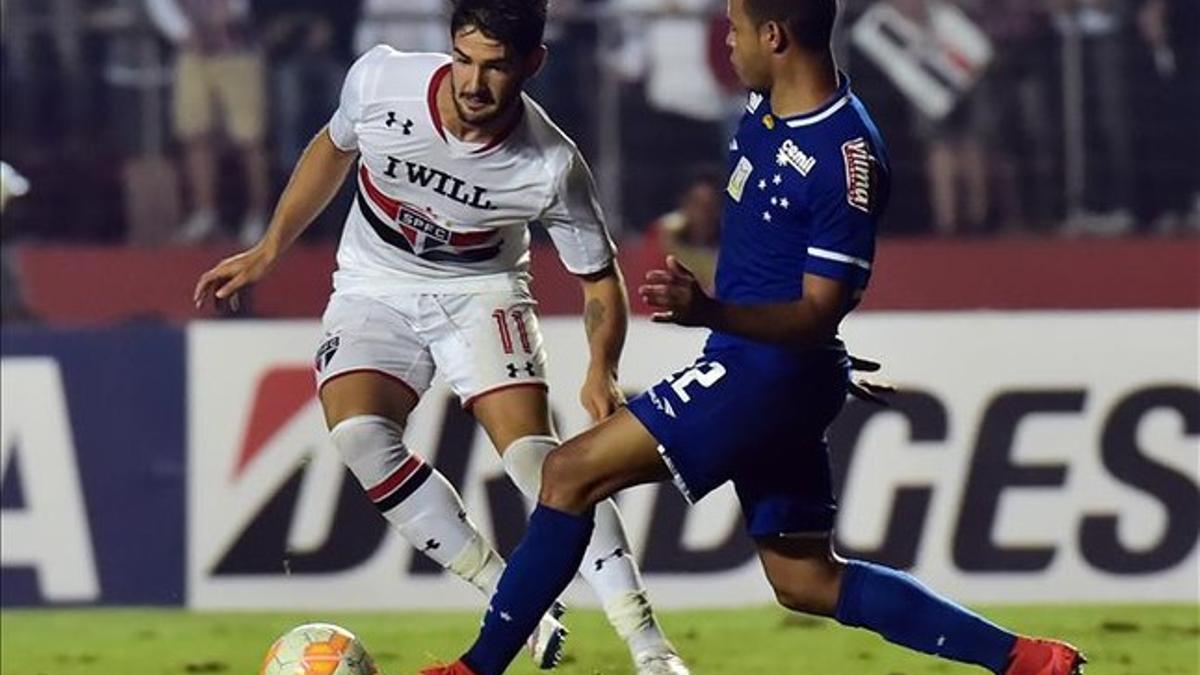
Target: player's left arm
<point>575,223</point>
<point>605,320</point>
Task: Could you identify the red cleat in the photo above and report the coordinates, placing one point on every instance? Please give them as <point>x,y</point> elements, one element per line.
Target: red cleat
<point>1034,656</point>
<point>456,668</point>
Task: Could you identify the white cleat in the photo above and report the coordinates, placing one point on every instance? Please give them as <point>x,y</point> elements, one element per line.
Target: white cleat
<point>660,663</point>
<point>546,643</point>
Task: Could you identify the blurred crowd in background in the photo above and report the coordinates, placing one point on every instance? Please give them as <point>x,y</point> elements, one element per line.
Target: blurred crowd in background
<point>168,122</point>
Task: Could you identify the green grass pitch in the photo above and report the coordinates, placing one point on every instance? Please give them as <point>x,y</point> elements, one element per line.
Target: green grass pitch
<point>1120,640</point>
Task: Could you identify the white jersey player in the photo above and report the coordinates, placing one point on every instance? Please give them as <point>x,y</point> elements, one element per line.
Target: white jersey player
<point>453,163</point>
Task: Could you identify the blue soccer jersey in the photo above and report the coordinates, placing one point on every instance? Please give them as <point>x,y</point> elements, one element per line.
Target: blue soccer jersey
<point>804,196</point>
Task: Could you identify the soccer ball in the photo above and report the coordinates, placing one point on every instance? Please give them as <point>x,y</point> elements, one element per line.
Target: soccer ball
<point>318,649</point>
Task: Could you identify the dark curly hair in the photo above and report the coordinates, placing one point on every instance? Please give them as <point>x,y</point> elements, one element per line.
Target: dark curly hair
<point>519,24</point>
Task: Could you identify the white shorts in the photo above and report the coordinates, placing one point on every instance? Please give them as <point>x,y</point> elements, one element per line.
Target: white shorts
<point>480,342</point>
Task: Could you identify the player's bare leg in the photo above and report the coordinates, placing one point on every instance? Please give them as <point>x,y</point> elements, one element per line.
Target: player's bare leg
<point>611,456</point>
<point>809,577</point>
<point>517,420</point>
<point>366,412</point>
<point>512,413</point>
<point>803,571</point>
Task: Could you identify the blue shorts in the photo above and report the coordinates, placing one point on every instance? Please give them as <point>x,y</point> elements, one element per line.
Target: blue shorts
<point>755,416</point>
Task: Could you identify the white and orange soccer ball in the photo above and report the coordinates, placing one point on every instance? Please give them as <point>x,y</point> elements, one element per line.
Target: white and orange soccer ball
<point>318,649</point>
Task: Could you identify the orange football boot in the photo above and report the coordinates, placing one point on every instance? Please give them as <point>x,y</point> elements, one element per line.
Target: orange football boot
<point>456,668</point>
<point>1035,656</point>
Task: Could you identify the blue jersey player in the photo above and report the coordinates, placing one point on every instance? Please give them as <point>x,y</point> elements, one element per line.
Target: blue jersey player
<point>808,179</point>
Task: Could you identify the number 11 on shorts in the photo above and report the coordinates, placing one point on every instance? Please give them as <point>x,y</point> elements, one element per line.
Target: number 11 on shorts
<point>501,317</point>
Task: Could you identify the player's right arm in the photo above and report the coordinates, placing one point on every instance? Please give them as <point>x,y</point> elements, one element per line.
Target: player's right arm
<point>810,321</point>
<point>316,179</point>
<point>314,182</point>
<point>576,225</point>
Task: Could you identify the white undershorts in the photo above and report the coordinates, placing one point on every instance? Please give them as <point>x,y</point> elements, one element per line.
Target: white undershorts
<point>479,342</point>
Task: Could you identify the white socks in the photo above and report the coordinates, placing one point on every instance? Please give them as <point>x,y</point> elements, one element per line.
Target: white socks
<point>608,565</point>
<point>426,509</point>
<point>609,568</point>
<point>416,498</point>
<point>434,521</point>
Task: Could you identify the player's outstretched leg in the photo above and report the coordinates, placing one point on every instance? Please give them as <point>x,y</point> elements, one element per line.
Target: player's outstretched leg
<point>418,500</point>
<point>608,566</point>
<point>584,471</point>
<point>808,577</point>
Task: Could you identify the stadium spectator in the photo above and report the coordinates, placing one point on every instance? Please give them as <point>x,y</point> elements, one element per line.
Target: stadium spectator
<point>1099,25</point>
<point>307,45</point>
<point>676,67</point>
<point>82,78</point>
<point>1024,147</point>
<point>692,231</point>
<point>908,210</point>
<point>569,74</point>
<point>407,25</point>
<point>956,156</point>
<point>1167,77</point>
<point>218,67</point>
<point>46,58</point>
<point>936,56</point>
<point>678,109</point>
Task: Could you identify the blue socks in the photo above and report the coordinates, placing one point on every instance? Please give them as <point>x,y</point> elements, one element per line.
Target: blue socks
<point>882,600</point>
<point>538,571</point>
<point>905,612</point>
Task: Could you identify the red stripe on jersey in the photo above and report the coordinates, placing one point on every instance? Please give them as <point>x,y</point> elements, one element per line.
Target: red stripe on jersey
<point>391,207</point>
<point>395,480</point>
<point>434,84</point>
<point>471,238</point>
<point>388,205</point>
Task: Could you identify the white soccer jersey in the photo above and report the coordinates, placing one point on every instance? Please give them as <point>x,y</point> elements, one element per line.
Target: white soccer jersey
<point>432,212</point>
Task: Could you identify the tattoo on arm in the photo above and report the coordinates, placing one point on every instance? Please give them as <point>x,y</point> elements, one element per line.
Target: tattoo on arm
<point>593,316</point>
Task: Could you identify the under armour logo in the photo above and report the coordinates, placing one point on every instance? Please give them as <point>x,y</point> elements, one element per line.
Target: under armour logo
<point>529,369</point>
<point>392,121</point>
<point>615,555</point>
